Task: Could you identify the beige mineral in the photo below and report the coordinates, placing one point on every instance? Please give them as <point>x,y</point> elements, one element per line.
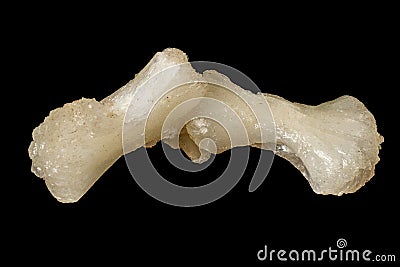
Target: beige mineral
<point>335,145</point>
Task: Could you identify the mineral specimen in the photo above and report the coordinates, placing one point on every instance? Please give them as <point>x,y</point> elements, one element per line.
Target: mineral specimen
<point>335,145</point>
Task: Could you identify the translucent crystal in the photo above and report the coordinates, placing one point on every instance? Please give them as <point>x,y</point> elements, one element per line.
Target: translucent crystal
<point>335,145</point>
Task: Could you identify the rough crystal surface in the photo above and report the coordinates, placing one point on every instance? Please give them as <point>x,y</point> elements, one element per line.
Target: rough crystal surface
<point>335,145</point>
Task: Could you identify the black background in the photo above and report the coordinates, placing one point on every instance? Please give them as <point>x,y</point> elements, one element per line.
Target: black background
<point>308,54</point>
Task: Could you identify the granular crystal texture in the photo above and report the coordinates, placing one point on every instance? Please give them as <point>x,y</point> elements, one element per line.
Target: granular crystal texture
<point>335,145</point>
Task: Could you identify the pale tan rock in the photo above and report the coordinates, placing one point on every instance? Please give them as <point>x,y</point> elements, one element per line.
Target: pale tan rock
<point>335,145</point>
<point>77,143</point>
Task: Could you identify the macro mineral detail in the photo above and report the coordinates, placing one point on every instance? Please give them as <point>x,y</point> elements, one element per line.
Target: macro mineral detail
<point>335,145</point>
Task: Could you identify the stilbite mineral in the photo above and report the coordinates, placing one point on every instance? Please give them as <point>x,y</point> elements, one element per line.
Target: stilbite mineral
<point>335,145</point>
